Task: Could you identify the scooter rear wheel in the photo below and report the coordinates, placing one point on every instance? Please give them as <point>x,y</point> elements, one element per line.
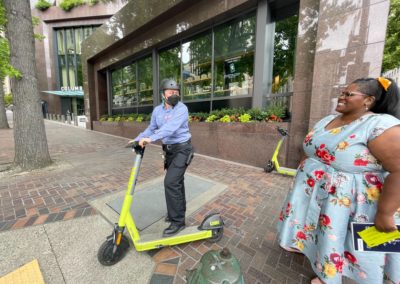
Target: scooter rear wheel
<point>269,167</point>
<point>217,235</point>
<point>107,257</point>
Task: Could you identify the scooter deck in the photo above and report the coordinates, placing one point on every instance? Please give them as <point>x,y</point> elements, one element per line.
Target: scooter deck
<point>156,240</point>
<point>288,171</point>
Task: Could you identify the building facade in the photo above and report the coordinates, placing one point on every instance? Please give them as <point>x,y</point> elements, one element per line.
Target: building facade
<point>221,53</point>
<point>58,55</point>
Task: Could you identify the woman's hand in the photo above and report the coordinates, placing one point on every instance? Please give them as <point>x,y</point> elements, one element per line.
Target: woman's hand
<point>384,222</point>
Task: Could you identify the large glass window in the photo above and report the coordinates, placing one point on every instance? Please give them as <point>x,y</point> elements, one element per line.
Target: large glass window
<point>68,46</point>
<point>145,81</point>
<point>132,85</point>
<point>232,58</point>
<point>196,65</point>
<point>234,46</point>
<point>170,64</point>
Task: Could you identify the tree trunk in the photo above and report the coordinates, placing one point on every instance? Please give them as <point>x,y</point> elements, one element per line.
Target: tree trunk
<point>3,116</point>
<point>31,150</point>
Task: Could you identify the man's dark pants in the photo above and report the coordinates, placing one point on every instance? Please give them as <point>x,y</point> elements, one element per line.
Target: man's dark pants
<point>177,159</point>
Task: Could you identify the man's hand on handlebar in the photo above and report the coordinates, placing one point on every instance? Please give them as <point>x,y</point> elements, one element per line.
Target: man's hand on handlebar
<point>144,141</point>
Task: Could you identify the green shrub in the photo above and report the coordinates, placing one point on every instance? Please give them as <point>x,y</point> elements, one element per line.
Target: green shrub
<point>67,5</point>
<point>8,99</point>
<point>93,2</point>
<point>245,117</point>
<point>139,118</point>
<point>211,118</point>
<point>225,118</point>
<point>276,110</point>
<point>42,5</point>
<point>110,119</point>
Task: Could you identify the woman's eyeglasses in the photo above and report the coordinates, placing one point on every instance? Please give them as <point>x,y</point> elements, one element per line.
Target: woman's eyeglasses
<point>350,94</point>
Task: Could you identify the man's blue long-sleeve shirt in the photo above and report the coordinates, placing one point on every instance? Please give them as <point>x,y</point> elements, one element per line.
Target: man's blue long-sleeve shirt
<point>170,125</point>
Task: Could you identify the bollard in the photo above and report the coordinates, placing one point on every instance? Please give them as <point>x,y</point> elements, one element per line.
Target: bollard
<point>63,118</point>
<point>75,119</point>
<point>47,116</point>
<point>68,119</point>
<point>216,267</point>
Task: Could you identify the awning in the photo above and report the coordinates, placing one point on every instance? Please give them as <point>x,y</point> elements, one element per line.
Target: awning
<point>78,94</point>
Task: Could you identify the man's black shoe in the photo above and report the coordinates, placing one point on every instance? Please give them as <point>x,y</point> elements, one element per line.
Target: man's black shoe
<point>173,229</point>
<point>167,219</point>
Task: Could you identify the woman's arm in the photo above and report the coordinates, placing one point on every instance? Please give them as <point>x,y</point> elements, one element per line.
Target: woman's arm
<point>386,148</point>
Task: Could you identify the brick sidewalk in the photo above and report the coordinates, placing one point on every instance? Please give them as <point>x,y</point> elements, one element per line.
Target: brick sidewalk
<point>89,165</point>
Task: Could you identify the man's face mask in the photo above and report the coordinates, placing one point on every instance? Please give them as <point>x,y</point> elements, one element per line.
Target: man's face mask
<point>173,99</point>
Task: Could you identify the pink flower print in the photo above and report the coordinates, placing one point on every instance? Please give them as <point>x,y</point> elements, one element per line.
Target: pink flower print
<point>319,174</point>
<point>351,258</point>
<point>361,198</point>
<point>360,162</point>
<point>324,220</point>
<point>352,136</point>
<point>288,207</point>
<point>301,236</point>
<point>310,182</point>
<point>332,237</point>
<point>373,179</point>
<point>337,260</point>
<point>332,190</point>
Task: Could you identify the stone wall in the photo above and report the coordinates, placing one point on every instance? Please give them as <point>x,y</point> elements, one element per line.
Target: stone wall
<point>248,143</point>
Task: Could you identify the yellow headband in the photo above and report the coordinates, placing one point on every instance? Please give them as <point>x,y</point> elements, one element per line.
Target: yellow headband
<point>385,83</point>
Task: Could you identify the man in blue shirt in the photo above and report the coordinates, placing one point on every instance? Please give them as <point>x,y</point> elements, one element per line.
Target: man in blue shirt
<point>170,124</point>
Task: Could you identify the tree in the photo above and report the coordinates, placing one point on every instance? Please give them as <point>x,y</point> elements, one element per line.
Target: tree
<point>391,54</point>
<point>31,150</point>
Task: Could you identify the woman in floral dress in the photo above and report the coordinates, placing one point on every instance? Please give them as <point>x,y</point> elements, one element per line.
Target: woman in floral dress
<point>351,174</point>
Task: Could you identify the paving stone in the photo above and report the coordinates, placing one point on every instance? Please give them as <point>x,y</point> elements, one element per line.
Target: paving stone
<point>90,165</point>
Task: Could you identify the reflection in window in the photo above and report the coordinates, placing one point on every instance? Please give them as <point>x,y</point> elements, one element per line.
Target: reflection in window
<point>170,64</point>
<point>68,45</point>
<point>132,85</point>
<point>234,58</point>
<point>284,50</point>
<point>196,63</point>
<point>145,81</point>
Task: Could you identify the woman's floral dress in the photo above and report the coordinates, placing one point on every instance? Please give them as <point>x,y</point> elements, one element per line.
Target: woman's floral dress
<point>339,183</point>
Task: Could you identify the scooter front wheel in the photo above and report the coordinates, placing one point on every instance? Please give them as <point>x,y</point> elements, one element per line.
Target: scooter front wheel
<point>108,255</point>
<point>217,235</point>
<point>269,167</point>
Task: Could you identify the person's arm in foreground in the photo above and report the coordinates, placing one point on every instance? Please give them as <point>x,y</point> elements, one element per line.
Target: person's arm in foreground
<point>386,148</point>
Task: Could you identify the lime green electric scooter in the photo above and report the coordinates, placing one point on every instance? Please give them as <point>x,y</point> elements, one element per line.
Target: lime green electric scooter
<point>116,245</point>
<point>273,164</point>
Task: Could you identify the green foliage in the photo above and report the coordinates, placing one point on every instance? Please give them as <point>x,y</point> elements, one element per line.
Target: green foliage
<point>284,49</point>
<point>245,117</point>
<point>67,5</point>
<point>36,22</point>
<point>93,2</point>
<point>8,99</point>
<point>211,118</point>
<point>42,5</point>
<point>275,112</point>
<point>225,118</point>
<point>391,54</point>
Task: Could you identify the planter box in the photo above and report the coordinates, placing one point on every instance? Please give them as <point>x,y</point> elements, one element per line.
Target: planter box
<point>249,143</point>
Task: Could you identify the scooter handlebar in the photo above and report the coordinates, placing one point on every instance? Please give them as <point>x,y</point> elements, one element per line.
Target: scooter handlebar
<point>282,131</point>
<point>136,147</point>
